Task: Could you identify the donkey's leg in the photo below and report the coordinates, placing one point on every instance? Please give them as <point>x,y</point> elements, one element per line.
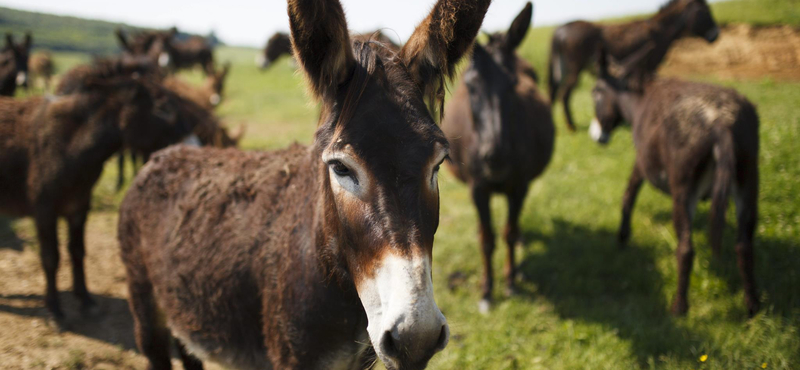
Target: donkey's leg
<point>121,168</point>
<point>152,338</point>
<point>77,251</point>
<point>746,213</point>
<point>570,82</point>
<point>189,362</point>
<point>628,201</point>
<point>682,219</point>
<point>516,198</point>
<point>46,221</point>
<point>481,195</point>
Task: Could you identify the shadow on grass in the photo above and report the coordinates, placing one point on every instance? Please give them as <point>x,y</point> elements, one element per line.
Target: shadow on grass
<point>586,277</point>
<point>113,324</point>
<point>9,238</point>
<point>777,271</point>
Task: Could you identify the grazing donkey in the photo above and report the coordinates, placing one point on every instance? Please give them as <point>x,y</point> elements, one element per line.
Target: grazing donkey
<point>41,67</point>
<point>693,141</point>
<point>53,151</point>
<point>575,44</point>
<point>501,137</point>
<point>280,44</point>
<point>308,257</point>
<point>14,64</point>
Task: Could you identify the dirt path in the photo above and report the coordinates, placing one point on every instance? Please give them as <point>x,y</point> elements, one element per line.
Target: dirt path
<point>742,51</point>
<point>27,342</point>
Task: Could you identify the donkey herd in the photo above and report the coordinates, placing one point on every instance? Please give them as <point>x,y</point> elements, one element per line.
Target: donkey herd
<point>319,257</point>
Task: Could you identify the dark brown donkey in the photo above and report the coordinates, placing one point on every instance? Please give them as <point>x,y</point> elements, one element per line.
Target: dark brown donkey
<point>280,44</point>
<point>308,257</point>
<point>575,44</point>
<point>693,141</point>
<point>501,137</point>
<point>53,151</point>
<point>186,54</point>
<point>14,64</point>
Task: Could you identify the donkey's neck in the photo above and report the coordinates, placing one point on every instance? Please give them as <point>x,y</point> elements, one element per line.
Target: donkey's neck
<point>630,103</point>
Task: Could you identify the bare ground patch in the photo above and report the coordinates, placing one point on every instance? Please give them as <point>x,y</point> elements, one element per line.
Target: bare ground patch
<point>742,52</point>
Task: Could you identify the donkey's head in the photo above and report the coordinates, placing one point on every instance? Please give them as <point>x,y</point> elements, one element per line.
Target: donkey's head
<point>491,80</point>
<point>215,83</point>
<point>277,45</point>
<point>15,57</point>
<point>380,152</point>
<point>610,85</point>
<point>694,17</point>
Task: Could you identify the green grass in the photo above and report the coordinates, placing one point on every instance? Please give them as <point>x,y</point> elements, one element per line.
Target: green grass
<point>583,303</point>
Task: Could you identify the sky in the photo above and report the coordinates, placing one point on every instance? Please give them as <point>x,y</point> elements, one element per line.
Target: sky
<point>251,22</point>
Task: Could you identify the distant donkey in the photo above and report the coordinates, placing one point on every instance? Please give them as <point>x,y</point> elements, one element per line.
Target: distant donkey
<point>168,52</point>
<point>280,44</point>
<point>693,141</point>
<point>42,68</point>
<point>54,149</point>
<point>575,44</point>
<point>209,95</point>
<point>501,137</point>
<point>307,257</point>
<point>14,64</point>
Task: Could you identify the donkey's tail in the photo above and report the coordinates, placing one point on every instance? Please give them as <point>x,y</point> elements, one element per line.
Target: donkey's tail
<point>553,81</point>
<point>723,178</point>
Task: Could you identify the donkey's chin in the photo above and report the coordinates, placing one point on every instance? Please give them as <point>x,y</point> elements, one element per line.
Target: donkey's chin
<point>597,133</point>
<point>405,325</point>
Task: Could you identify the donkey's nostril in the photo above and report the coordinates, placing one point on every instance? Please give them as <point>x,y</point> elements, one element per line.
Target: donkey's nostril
<point>389,345</point>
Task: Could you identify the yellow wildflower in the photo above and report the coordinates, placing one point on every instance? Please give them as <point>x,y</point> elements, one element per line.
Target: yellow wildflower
<point>703,358</point>
<point>764,365</point>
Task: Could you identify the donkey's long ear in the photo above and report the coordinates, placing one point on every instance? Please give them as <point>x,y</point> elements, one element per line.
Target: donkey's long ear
<point>440,41</point>
<point>123,40</point>
<point>28,41</point>
<point>9,40</point>
<point>321,44</point>
<point>634,61</point>
<point>519,27</point>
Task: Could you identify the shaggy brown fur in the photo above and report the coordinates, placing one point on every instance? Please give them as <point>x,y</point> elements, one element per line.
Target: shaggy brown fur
<point>14,64</point>
<point>53,151</point>
<point>249,258</point>
<point>501,137</point>
<point>207,96</point>
<point>693,141</point>
<point>575,44</point>
<point>41,67</point>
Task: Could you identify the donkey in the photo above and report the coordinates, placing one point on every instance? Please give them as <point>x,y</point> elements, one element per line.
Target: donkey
<point>41,67</point>
<point>575,44</point>
<point>54,150</point>
<point>280,44</point>
<point>14,64</point>
<point>693,141</point>
<point>501,137</point>
<point>195,51</point>
<point>207,96</point>
<point>307,257</point>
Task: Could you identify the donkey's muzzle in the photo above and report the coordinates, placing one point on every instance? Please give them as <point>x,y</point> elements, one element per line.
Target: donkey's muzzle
<point>712,35</point>
<point>413,350</point>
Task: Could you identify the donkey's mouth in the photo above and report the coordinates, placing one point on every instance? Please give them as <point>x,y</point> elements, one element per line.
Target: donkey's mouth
<point>712,35</point>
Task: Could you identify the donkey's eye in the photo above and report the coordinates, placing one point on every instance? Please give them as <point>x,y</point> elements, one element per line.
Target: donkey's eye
<point>339,169</point>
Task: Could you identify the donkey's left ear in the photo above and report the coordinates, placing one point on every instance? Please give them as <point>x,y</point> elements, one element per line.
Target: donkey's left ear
<point>440,41</point>
<point>28,40</point>
<point>9,40</point>
<point>516,33</point>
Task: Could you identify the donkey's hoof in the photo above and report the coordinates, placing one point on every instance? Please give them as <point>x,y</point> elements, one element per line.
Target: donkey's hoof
<point>484,306</point>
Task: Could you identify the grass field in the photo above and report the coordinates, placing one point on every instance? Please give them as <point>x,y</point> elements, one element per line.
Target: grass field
<point>583,303</point>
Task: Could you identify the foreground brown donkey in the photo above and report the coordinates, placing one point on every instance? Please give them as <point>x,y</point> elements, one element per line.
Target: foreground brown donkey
<point>53,151</point>
<point>308,257</point>
<point>14,64</point>
<point>575,44</point>
<point>693,141</point>
<point>501,137</point>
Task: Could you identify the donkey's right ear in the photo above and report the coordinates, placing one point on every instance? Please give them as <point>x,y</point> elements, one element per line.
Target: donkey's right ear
<point>9,40</point>
<point>439,42</point>
<point>321,44</point>
<point>123,40</point>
